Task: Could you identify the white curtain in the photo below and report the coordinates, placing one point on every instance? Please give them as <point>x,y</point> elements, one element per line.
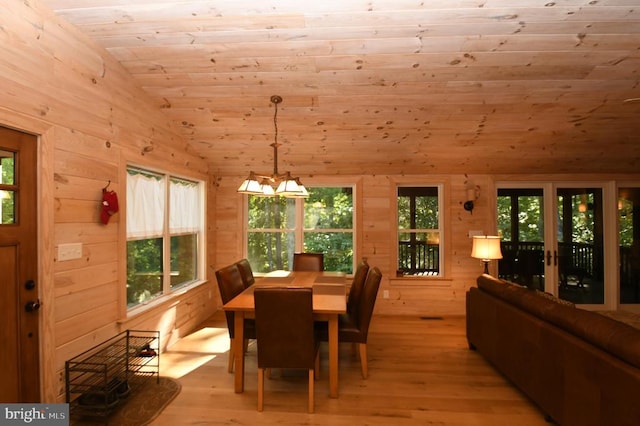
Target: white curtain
<point>145,206</point>
<point>184,207</point>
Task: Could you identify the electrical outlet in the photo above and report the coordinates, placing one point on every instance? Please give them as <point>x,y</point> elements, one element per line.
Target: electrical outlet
<point>69,251</point>
<point>385,294</point>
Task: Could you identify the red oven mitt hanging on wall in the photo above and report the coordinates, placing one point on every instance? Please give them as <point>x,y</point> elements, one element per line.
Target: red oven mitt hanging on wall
<point>109,205</point>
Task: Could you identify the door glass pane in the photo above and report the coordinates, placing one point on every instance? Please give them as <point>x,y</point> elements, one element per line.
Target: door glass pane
<point>629,240</point>
<point>580,245</point>
<point>521,228</point>
<point>7,187</point>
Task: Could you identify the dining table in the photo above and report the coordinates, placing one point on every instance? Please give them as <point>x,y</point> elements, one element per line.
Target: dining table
<point>329,301</point>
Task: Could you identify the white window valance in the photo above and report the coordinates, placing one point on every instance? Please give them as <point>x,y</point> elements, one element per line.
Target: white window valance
<point>184,207</point>
<point>145,206</point>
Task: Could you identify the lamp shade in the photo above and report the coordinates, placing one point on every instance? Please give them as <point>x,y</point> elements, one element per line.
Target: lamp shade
<point>251,185</point>
<point>486,247</point>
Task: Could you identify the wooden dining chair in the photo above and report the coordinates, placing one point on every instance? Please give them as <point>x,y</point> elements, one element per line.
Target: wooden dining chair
<point>354,327</point>
<point>230,284</point>
<point>308,262</point>
<point>285,333</point>
<point>246,272</point>
<point>355,291</point>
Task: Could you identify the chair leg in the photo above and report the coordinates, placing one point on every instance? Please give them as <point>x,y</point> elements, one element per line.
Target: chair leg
<point>231,357</point>
<point>311,390</point>
<point>363,360</point>
<point>260,388</point>
<point>316,367</point>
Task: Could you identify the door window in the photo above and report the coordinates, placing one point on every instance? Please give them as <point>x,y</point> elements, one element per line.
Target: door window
<point>629,244</point>
<point>7,188</point>
<point>521,228</point>
<point>580,242</point>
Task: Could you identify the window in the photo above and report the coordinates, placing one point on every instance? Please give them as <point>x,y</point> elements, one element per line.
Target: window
<point>164,227</point>
<point>419,235</point>
<point>323,222</point>
<point>7,188</point>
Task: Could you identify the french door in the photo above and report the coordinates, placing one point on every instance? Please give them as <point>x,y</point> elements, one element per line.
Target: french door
<point>555,239</point>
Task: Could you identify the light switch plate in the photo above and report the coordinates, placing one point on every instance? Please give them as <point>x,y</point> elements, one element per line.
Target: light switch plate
<point>69,251</point>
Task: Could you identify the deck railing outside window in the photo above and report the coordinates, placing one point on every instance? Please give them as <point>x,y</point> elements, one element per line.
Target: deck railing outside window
<point>419,258</point>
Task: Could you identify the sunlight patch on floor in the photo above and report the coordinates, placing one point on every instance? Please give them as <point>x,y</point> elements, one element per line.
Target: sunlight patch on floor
<point>194,350</point>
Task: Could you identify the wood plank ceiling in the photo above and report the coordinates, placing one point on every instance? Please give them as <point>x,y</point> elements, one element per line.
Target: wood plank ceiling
<point>386,86</point>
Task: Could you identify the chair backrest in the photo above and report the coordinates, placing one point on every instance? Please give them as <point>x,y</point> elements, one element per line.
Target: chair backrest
<point>368,301</point>
<point>356,286</point>
<point>284,327</point>
<point>308,262</point>
<point>246,272</point>
<point>230,285</point>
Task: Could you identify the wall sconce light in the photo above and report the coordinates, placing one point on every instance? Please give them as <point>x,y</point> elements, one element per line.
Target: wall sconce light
<point>487,248</point>
<point>473,192</point>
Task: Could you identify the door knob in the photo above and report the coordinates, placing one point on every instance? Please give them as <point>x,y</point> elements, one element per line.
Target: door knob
<point>32,306</point>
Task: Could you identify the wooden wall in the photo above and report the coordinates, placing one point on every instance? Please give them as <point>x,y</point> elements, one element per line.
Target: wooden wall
<point>375,195</point>
<point>92,120</point>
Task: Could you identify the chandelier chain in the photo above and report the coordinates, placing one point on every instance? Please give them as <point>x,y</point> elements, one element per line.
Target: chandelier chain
<point>275,99</point>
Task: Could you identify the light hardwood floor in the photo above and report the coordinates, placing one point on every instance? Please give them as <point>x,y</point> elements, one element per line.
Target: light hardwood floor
<point>420,372</point>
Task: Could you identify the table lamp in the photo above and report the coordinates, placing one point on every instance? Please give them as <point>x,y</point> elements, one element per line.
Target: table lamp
<point>486,247</point>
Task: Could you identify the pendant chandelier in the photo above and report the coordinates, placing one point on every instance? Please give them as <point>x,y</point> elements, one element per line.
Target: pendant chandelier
<point>274,184</point>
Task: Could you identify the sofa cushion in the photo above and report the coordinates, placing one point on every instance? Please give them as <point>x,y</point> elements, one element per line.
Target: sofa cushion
<point>517,295</point>
<point>619,339</point>
<point>554,298</point>
<point>623,316</point>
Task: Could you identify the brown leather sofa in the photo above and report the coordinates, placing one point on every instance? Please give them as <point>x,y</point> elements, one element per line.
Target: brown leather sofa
<point>580,367</point>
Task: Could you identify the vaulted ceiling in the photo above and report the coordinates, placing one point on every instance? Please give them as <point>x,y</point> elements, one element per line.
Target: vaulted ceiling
<point>386,86</point>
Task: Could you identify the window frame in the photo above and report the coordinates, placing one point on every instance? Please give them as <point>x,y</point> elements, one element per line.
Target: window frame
<point>167,291</point>
<point>443,230</point>
<point>299,229</point>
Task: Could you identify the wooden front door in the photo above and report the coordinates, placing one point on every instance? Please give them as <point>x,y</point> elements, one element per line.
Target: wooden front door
<point>19,302</point>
